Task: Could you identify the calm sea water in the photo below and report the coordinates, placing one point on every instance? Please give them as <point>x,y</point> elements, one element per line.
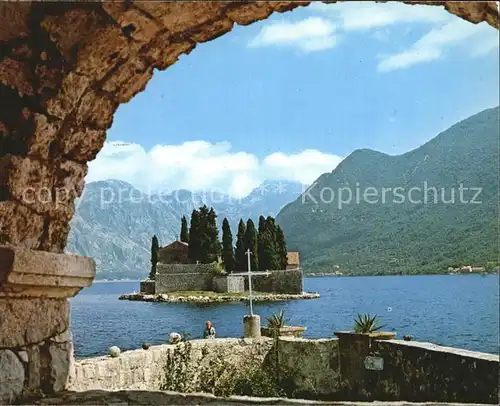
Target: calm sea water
<point>459,311</point>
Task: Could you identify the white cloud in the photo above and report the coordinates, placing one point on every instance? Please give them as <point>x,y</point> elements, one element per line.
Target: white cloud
<point>200,165</point>
<point>445,31</point>
<point>368,15</point>
<point>310,34</point>
<point>475,40</point>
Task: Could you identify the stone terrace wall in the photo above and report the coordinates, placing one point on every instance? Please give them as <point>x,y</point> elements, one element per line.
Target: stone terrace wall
<point>180,277</point>
<point>424,371</point>
<point>285,281</point>
<point>311,369</point>
<point>416,372</point>
<point>160,367</point>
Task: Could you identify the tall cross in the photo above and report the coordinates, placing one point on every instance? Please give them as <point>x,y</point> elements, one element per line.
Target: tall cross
<point>249,273</point>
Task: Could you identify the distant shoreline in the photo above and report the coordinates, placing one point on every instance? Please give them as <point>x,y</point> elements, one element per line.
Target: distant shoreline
<point>324,274</point>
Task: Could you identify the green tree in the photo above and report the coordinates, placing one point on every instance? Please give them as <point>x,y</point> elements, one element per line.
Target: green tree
<point>251,244</point>
<point>268,247</point>
<point>194,237</point>
<point>261,237</point>
<point>239,255</point>
<point>208,235</point>
<point>281,245</point>
<point>154,257</point>
<point>227,246</point>
<point>184,230</point>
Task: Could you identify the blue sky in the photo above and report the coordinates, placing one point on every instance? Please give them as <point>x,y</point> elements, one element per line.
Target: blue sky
<point>290,96</point>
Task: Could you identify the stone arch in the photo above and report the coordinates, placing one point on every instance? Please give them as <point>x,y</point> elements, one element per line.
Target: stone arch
<point>64,70</point>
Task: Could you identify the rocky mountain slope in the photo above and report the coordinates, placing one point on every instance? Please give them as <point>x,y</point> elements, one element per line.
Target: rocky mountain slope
<point>114,221</point>
<point>411,227</point>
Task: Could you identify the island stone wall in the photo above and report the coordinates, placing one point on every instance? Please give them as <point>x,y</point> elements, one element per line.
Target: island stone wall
<point>327,369</point>
<point>207,277</point>
<point>284,281</point>
<point>180,277</point>
<point>229,284</point>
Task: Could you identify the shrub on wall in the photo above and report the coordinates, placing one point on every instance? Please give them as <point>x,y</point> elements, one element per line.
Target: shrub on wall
<point>214,373</point>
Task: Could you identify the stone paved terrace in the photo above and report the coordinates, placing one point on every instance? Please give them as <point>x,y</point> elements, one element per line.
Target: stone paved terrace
<point>123,398</point>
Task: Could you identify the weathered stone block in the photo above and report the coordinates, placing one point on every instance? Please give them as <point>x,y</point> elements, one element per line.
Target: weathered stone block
<point>19,225</point>
<point>81,144</point>
<point>68,29</point>
<point>44,134</point>
<point>247,13</point>
<point>96,110</point>
<point>129,79</point>
<point>163,53</point>
<point>73,87</point>
<point>138,26</point>
<point>182,16</point>
<point>27,321</point>
<point>41,274</point>
<point>212,30</point>
<point>16,74</point>
<point>14,19</point>
<point>45,187</point>
<point>60,358</point>
<point>11,376</point>
<point>100,52</point>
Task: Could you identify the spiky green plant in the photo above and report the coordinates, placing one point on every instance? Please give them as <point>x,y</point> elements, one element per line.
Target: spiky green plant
<point>277,320</point>
<point>366,323</point>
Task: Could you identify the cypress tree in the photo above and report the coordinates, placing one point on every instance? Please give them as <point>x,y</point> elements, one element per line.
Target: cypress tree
<point>251,244</point>
<point>208,236</point>
<point>262,224</point>
<point>194,237</point>
<point>282,251</point>
<point>184,237</point>
<point>154,257</point>
<point>268,248</point>
<point>227,246</point>
<point>239,255</point>
<point>261,243</point>
<point>213,246</point>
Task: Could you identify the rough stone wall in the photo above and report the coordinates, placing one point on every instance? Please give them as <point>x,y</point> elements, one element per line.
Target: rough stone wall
<point>148,287</point>
<point>35,346</point>
<point>228,284</point>
<point>310,369</point>
<point>65,68</point>
<point>168,367</point>
<point>423,371</point>
<point>417,372</point>
<point>286,281</point>
<point>180,277</point>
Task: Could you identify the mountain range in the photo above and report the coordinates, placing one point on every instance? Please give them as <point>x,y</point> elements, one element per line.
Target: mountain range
<point>439,208</point>
<point>114,221</point>
<point>421,212</point>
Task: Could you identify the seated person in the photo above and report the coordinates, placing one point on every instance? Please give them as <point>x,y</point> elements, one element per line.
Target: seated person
<point>209,331</point>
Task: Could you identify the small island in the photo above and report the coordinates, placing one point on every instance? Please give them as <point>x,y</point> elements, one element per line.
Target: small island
<point>201,269</point>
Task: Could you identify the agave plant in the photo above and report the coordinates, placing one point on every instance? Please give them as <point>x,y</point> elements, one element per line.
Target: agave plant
<point>277,320</point>
<point>366,323</point>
